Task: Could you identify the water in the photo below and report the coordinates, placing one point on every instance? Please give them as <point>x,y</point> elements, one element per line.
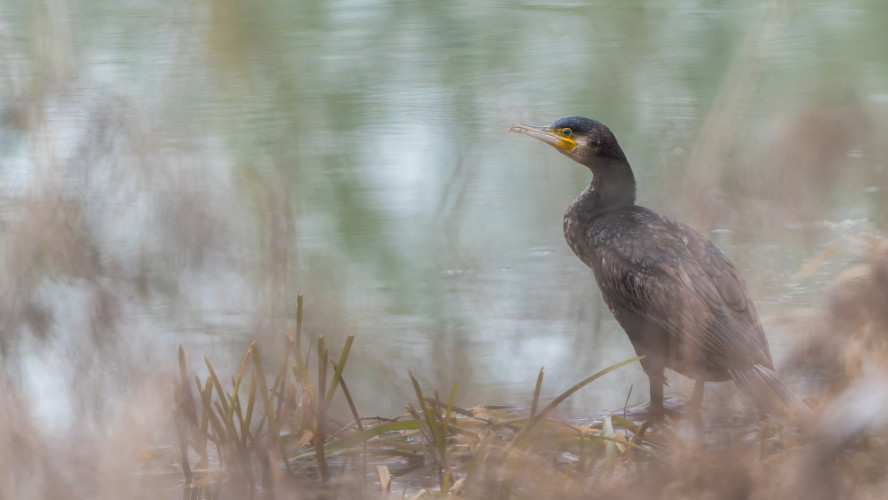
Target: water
<point>178,173</point>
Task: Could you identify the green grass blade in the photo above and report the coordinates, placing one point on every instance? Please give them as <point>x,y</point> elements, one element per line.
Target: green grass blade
<point>449,414</point>
<point>579,385</point>
<point>337,373</point>
<point>358,437</point>
<point>322,409</point>
<point>237,381</point>
<point>298,325</point>
<point>183,368</point>
<point>566,394</point>
<point>217,385</point>
<point>427,413</point>
<point>263,391</point>
<point>251,399</point>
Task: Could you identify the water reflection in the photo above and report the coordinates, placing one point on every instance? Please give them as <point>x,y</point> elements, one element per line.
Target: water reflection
<point>178,174</point>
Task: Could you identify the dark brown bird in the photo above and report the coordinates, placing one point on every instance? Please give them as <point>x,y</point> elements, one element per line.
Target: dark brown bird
<point>682,303</point>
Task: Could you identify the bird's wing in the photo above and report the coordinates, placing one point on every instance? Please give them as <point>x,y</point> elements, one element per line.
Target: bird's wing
<point>672,276</point>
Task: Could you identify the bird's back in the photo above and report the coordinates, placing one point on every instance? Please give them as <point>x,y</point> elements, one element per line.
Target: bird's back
<point>660,277</point>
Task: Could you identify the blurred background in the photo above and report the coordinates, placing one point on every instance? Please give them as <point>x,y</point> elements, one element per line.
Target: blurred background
<point>178,172</point>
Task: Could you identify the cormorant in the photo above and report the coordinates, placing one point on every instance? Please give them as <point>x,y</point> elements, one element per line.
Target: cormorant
<point>682,303</point>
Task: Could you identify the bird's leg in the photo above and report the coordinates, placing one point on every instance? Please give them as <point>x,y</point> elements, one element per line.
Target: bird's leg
<point>697,402</point>
<point>654,366</point>
<point>697,397</point>
<point>655,410</point>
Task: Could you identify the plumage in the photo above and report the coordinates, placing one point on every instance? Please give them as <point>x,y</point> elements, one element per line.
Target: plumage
<point>682,303</point>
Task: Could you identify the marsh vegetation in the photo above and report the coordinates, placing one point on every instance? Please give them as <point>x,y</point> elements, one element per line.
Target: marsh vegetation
<point>177,174</point>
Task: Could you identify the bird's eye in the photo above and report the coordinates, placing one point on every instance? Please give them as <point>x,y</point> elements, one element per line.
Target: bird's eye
<point>566,132</point>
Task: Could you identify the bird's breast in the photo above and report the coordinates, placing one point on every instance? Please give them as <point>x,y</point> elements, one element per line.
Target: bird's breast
<point>575,236</point>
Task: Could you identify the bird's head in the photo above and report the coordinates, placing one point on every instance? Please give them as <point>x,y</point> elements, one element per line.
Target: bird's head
<point>584,140</point>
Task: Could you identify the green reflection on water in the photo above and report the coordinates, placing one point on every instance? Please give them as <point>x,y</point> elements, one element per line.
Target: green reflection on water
<point>357,152</point>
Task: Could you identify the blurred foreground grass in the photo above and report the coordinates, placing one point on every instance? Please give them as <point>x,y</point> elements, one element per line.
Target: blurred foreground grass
<point>179,170</point>
<point>278,440</point>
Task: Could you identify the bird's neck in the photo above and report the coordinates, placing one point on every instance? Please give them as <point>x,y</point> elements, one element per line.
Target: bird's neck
<point>612,187</point>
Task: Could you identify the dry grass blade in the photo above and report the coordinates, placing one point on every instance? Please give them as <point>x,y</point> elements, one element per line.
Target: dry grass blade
<point>279,388</point>
<point>183,366</point>
<point>536,394</point>
<point>421,424</point>
<point>385,478</point>
<point>348,399</point>
<point>322,410</point>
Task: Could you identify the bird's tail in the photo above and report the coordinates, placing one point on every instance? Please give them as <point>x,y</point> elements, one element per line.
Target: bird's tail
<point>762,386</point>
